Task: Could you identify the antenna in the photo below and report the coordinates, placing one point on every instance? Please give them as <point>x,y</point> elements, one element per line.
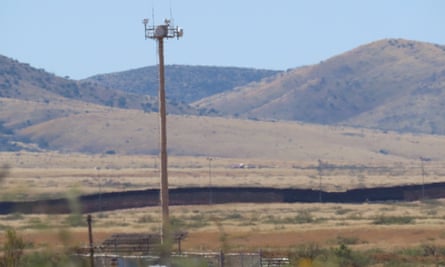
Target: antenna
<point>153,14</point>
<point>171,14</point>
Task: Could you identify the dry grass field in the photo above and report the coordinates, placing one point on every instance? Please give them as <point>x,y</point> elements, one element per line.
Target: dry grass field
<point>245,227</point>
<point>51,175</point>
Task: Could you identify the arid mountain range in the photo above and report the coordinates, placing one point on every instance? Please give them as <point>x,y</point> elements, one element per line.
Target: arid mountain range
<point>388,85</point>
<point>185,83</point>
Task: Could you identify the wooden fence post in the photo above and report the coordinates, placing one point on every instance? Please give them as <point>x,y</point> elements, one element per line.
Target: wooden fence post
<point>221,259</point>
<point>90,237</point>
<point>260,254</point>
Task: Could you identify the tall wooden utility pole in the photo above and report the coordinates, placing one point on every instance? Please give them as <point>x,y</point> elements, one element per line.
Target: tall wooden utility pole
<point>163,135</point>
<point>159,33</point>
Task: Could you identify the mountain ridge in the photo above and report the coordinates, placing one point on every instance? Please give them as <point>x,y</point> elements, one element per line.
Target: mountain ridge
<point>344,86</point>
<point>184,83</point>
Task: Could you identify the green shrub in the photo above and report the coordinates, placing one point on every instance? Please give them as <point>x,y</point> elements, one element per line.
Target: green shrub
<point>348,240</point>
<point>394,220</point>
<point>304,216</point>
<point>146,219</point>
<point>177,223</point>
<point>197,221</point>
<point>342,211</point>
<point>36,223</point>
<point>52,259</point>
<point>76,220</point>
<point>234,216</point>
<point>346,257</point>
<point>398,263</point>
<point>309,251</point>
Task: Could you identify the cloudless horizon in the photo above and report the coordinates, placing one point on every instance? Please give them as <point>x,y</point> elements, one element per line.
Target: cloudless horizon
<point>83,38</point>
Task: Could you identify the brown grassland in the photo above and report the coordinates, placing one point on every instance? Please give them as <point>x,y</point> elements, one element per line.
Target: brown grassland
<point>246,227</point>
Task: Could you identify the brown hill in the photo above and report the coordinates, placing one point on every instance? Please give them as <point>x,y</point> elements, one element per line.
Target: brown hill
<point>83,127</point>
<point>21,81</point>
<point>389,84</point>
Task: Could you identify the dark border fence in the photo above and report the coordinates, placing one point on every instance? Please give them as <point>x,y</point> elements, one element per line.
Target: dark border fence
<point>220,195</point>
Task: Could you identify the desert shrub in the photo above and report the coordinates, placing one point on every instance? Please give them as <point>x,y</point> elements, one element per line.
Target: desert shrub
<point>305,253</point>
<point>348,240</point>
<point>409,256</point>
<point>354,216</point>
<point>114,224</point>
<point>36,223</point>
<point>234,216</point>
<point>75,220</point>
<point>346,257</point>
<point>177,222</point>
<point>342,211</point>
<point>398,263</point>
<point>146,219</point>
<point>430,250</point>
<point>273,220</point>
<point>424,250</point>
<point>13,249</point>
<point>430,212</point>
<point>412,252</point>
<point>304,216</point>
<point>194,221</point>
<point>393,220</point>
<point>52,259</point>
<point>197,221</point>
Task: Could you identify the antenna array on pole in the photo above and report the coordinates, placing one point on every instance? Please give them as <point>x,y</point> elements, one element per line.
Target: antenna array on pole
<point>162,31</point>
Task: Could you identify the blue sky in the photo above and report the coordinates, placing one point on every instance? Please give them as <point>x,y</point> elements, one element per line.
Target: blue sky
<point>81,38</point>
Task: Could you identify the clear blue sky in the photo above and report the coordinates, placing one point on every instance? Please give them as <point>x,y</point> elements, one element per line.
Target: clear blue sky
<point>80,38</point>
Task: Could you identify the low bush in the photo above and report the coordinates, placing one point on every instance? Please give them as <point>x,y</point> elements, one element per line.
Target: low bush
<point>348,240</point>
<point>346,257</point>
<point>393,220</point>
<point>305,252</point>
<point>146,219</point>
